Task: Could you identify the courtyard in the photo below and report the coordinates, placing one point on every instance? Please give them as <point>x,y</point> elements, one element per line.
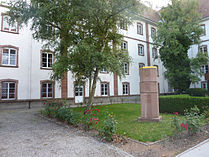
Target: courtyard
<point>23,133</point>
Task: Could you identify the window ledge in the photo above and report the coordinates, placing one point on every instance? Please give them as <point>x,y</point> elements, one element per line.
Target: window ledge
<point>42,68</point>
<point>9,66</point>
<point>10,32</point>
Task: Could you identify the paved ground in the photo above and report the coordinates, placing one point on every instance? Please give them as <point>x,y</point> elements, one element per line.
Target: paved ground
<point>24,134</point>
<point>200,150</point>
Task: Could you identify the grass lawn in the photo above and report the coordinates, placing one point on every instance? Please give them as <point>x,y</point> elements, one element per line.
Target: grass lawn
<point>127,115</point>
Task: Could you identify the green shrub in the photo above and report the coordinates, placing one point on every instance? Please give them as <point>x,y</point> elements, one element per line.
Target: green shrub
<point>61,112</point>
<point>197,92</point>
<point>179,103</point>
<point>108,127</point>
<point>193,120</point>
<point>90,119</point>
<point>176,121</point>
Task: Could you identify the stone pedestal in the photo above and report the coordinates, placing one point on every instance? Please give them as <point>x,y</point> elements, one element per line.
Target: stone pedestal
<point>149,94</point>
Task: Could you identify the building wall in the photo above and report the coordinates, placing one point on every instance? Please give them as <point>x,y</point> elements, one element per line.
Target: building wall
<point>29,73</point>
<point>194,49</point>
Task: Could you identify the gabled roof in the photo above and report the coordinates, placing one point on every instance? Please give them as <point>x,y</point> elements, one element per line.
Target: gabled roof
<point>151,14</point>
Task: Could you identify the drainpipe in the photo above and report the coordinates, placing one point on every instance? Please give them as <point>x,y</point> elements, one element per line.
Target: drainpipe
<point>30,69</point>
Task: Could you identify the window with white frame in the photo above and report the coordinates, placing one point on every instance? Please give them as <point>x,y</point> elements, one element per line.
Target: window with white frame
<point>9,57</point>
<point>104,89</point>
<point>8,90</point>
<point>124,24</point>
<point>126,68</point>
<point>126,88</point>
<point>78,90</point>
<point>47,60</point>
<point>204,29</point>
<point>204,69</point>
<point>154,52</point>
<point>140,50</point>
<point>204,49</point>
<point>6,26</point>
<point>47,90</point>
<point>124,45</point>
<point>153,32</point>
<point>139,28</point>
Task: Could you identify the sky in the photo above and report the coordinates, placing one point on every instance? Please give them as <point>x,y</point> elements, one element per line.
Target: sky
<point>156,4</point>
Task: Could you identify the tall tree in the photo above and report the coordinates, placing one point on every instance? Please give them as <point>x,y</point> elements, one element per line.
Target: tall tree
<point>84,34</point>
<point>178,29</point>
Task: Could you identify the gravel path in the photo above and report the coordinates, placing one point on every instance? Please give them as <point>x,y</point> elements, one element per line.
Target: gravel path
<point>24,134</point>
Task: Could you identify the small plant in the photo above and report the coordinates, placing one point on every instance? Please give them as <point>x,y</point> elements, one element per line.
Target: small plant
<point>206,111</point>
<point>89,119</point>
<point>176,124</point>
<point>108,127</point>
<point>61,112</point>
<point>193,120</point>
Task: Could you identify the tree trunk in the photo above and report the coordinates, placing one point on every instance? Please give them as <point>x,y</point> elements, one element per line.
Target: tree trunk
<point>93,88</point>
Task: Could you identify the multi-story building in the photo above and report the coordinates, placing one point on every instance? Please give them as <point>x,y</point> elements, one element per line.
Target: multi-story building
<point>204,44</point>
<point>25,67</point>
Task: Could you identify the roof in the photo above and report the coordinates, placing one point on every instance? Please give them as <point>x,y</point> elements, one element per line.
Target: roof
<point>204,8</point>
<point>151,14</point>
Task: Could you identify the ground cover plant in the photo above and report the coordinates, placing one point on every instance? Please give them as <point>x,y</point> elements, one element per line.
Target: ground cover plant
<point>121,119</point>
<point>126,116</point>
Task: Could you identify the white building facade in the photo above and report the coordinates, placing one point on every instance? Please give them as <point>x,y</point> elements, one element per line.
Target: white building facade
<point>203,47</point>
<point>25,67</point>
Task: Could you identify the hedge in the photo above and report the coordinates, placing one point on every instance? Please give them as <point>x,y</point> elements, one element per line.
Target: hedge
<point>178,103</point>
<point>197,92</point>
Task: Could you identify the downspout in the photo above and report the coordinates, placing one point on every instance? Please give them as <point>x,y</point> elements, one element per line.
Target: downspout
<point>30,69</point>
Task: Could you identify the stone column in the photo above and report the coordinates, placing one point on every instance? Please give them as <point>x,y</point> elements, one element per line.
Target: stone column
<point>149,94</point>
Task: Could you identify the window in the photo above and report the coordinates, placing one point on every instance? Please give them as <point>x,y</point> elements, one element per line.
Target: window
<point>104,89</point>
<point>153,32</point>
<point>104,70</point>
<point>47,60</point>
<point>8,90</point>
<point>154,52</point>
<point>157,69</point>
<point>141,65</point>
<point>204,29</point>
<point>124,45</point>
<point>141,50</point>
<point>47,89</point>
<point>139,28</point>
<point>126,68</point>
<point>126,88</point>
<point>204,85</point>
<point>123,25</point>
<point>204,69</point>
<point>204,49</point>
<point>9,56</point>
<point>13,28</point>
<point>78,90</point>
